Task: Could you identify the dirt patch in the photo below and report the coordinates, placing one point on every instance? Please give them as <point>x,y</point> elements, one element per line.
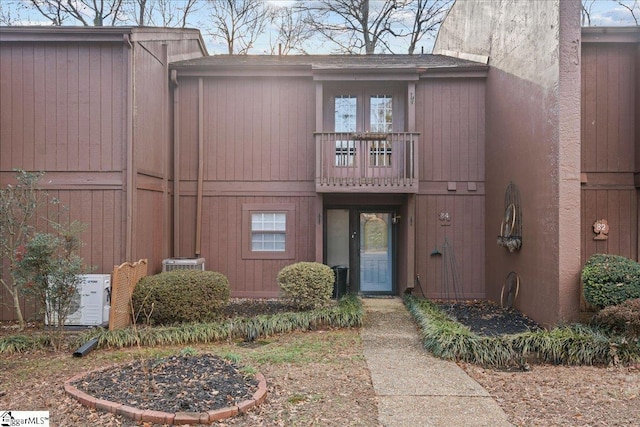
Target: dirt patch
<point>172,384</point>
<point>488,318</point>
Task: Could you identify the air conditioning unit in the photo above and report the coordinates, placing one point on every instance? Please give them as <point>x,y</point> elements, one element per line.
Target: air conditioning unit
<point>172,264</point>
<point>91,303</point>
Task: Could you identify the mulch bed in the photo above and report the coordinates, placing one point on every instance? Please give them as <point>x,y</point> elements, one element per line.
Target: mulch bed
<point>175,384</point>
<point>488,318</point>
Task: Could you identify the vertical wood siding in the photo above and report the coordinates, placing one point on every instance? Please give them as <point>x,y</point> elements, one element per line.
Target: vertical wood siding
<point>609,115</point>
<point>222,232</point>
<point>466,244</point>
<point>609,147</point>
<point>620,209</point>
<point>62,111</point>
<point>62,107</point>
<point>450,118</point>
<point>258,146</point>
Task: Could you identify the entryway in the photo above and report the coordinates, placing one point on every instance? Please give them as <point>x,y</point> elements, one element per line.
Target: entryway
<point>362,239</point>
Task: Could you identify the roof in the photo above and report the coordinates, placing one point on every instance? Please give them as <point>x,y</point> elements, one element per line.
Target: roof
<point>317,65</point>
<point>82,34</point>
<point>611,34</point>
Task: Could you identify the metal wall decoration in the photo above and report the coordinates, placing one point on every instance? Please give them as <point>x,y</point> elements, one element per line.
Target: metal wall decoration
<point>511,227</point>
<point>601,228</point>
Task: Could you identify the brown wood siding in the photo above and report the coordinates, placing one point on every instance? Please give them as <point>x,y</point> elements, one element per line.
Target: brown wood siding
<point>222,230</point>
<point>150,116</point>
<point>450,119</point>
<point>258,130</point>
<point>465,238</point>
<point>62,111</point>
<point>609,147</point>
<point>608,107</point>
<point>101,211</point>
<point>62,107</point>
<point>620,209</point>
<point>258,148</point>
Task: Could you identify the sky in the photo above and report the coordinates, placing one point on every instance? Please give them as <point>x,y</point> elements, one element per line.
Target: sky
<point>603,13</point>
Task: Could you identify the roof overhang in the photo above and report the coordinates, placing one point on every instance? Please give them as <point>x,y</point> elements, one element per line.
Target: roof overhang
<point>611,34</point>
<point>42,34</point>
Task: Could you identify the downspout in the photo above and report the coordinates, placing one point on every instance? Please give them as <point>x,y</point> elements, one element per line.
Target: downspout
<point>176,163</point>
<point>129,138</point>
<point>198,249</point>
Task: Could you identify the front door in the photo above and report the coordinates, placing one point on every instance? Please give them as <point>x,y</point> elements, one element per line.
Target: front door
<point>363,241</point>
<point>375,252</point>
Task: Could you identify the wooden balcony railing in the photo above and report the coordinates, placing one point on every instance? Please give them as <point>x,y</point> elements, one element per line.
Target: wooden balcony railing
<point>367,162</point>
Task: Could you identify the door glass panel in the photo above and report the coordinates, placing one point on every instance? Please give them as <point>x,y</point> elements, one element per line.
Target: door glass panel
<point>375,252</point>
<point>381,115</point>
<point>345,113</point>
<point>381,121</point>
<point>345,121</point>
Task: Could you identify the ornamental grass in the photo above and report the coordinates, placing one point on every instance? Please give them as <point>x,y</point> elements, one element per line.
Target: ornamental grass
<point>576,344</point>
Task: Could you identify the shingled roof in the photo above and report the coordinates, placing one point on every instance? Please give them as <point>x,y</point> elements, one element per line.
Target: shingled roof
<point>310,64</point>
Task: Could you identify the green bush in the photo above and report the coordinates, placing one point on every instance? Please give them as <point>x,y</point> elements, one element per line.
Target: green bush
<point>306,285</point>
<point>180,296</point>
<point>610,280</point>
<point>623,319</point>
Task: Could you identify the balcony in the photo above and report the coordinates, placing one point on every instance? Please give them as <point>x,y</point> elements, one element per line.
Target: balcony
<point>366,162</point>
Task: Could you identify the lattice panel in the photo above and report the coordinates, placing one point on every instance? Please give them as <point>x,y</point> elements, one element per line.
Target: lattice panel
<point>124,280</point>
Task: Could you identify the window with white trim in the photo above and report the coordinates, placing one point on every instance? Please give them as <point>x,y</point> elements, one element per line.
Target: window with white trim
<point>268,231</point>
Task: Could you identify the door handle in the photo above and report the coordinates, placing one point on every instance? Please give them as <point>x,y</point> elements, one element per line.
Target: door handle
<point>353,235</point>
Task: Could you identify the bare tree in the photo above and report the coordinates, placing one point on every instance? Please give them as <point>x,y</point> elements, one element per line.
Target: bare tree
<point>632,7</point>
<point>292,30</point>
<point>162,13</point>
<point>585,12</point>
<point>87,12</point>
<point>427,15</point>
<point>354,25</point>
<point>238,22</point>
<point>10,13</point>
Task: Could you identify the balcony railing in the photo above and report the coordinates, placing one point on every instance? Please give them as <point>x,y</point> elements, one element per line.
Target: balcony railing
<point>367,162</point>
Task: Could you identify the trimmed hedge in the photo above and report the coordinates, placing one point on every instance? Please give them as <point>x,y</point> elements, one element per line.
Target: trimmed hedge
<point>180,296</point>
<point>610,280</point>
<point>306,285</point>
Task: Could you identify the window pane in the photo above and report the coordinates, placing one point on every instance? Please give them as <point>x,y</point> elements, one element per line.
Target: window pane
<point>345,113</point>
<point>268,221</point>
<point>272,242</point>
<point>268,231</point>
<point>381,113</point>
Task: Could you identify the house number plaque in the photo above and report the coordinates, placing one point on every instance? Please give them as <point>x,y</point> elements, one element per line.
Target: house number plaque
<point>601,228</point>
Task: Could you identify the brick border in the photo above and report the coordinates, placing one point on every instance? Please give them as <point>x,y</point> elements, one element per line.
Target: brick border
<point>160,417</point>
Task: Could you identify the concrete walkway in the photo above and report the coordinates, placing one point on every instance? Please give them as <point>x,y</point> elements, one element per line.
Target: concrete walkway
<point>414,388</point>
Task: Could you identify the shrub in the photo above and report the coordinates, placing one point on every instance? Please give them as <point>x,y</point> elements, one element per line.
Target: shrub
<point>180,296</point>
<point>610,280</point>
<point>623,319</point>
<point>306,285</point>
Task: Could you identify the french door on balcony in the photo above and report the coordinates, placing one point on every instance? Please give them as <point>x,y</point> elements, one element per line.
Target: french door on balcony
<point>362,118</point>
